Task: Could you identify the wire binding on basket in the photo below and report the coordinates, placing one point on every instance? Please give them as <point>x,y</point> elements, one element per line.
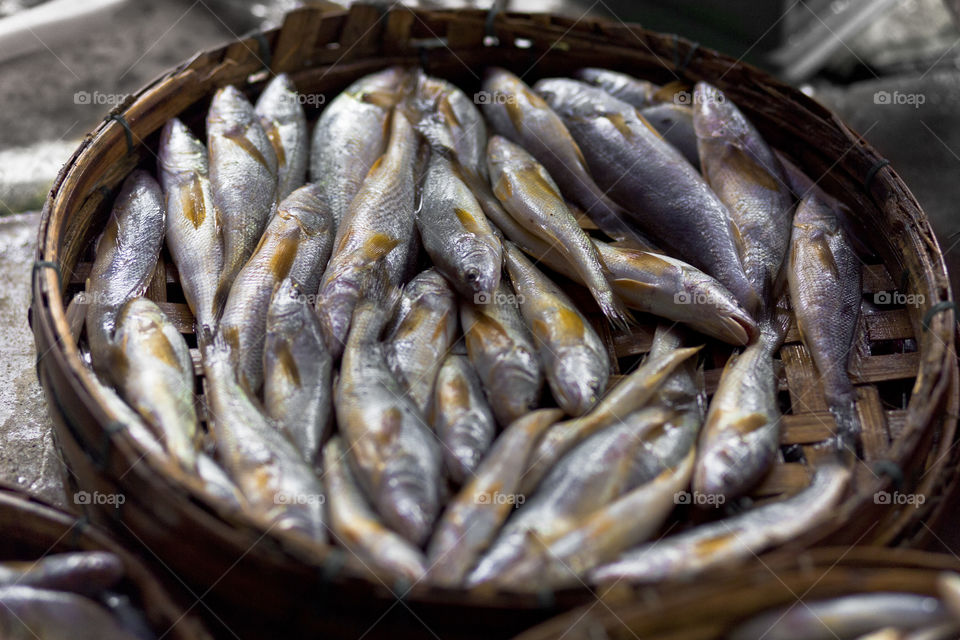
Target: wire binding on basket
<point>943,305</point>
<point>127,131</point>
<point>77,530</point>
<point>266,57</point>
<point>890,469</point>
<point>872,173</point>
<point>681,67</point>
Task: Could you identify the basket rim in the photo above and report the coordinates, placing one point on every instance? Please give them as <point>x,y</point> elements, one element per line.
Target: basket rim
<point>49,311</point>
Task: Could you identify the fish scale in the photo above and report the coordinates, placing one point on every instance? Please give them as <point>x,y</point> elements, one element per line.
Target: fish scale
<point>670,200</point>
<point>243,177</point>
<point>378,228</point>
<point>193,232</point>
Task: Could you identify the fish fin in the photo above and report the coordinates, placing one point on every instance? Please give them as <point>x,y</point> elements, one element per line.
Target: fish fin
<point>615,311</point>
<point>737,238</point>
<point>746,166</point>
<point>749,423</point>
<point>821,245</point>
<point>378,245</point>
<point>635,287</point>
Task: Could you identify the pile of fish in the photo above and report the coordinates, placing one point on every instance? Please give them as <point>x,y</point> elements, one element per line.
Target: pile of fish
<point>398,356</point>
<point>68,595</point>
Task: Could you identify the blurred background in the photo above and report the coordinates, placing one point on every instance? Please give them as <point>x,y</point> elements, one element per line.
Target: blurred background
<point>890,68</point>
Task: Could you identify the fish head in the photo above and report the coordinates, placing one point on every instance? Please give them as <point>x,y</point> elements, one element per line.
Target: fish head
<point>480,267</point>
<point>720,311</point>
<point>579,380</point>
<point>309,209</point>
<point>730,468</point>
<point>230,110</point>
<point>279,98</point>
<point>180,150</point>
<point>716,117</point>
<point>288,300</point>
<point>383,88</point>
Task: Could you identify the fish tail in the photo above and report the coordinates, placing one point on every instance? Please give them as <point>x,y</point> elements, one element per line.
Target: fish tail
<point>615,311</point>
<point>848,427</point>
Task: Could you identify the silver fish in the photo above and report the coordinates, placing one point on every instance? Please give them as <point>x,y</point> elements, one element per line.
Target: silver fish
<point>155,376</point>
<point>474,516</point>
<point>714,544</point>
<point>844,617</point>
<point>126,257</point>
<point>532,198</point>
<point>28,614</point>
<point>243,177</point>
<point>217,482</point>
<point>378,227</point>
<point>517,113</point>
<point>298,370</point>
<point>744,172</point>
<point>193,231</point>
<point>648,281</point>
<point>395,455</point>
<point>824,276</point>
<point>296,244</point>
<point>636,165</point>
<point>592,475</point>
<point>285,123</point>
<point>351,134</point>
<point>575,359</point>
<point>278,484</point>
<point>85,573</point>
<point>422,334</point>
<point>503,353</point>
<point>634,91</point>
<point>455,232</point>
<point>461,417</point>
<point>632,393</point>
<point>598,537</point>
<point>445,104</point>
<point>675,123</point>
<point>742,431</point>
<point>355,526</point>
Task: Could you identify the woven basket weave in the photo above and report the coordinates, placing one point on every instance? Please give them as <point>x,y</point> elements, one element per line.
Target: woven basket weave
<point>908,398</point>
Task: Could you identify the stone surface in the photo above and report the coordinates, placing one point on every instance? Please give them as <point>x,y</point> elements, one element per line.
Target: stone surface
<point>29,458</point>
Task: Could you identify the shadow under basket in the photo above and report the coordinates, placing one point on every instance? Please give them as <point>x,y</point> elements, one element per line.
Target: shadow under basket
<point>31,529</point>
<point>905,371</point>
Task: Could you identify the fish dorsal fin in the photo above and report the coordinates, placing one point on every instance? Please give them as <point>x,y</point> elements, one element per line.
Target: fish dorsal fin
<point>820,242</point>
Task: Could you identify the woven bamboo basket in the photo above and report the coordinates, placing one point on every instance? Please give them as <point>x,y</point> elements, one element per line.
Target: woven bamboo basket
<point>32,529</point>
<point>714,605</point>
<point>907,384</point>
